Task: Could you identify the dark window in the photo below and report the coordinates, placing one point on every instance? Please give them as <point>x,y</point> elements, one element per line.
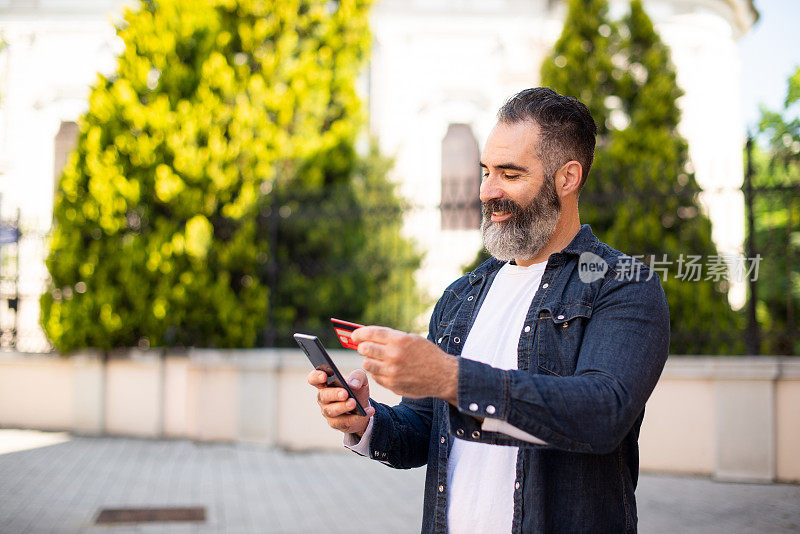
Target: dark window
<point>461,179</point>
<point>66,141</point>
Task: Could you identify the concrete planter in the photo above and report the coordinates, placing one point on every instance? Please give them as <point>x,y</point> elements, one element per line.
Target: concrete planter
<point>134,393</point>
<point>36,391</point>
<point>733,418</point>
<point>89,378</point>
<point>174,410</point>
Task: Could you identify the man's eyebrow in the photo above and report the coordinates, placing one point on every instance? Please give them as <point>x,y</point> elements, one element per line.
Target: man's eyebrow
<point>507,166</point>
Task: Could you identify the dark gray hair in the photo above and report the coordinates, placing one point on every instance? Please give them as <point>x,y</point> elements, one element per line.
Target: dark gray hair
<point>566,128</point>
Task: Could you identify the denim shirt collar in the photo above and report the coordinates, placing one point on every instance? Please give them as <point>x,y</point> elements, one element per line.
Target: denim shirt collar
<point>584,241</point>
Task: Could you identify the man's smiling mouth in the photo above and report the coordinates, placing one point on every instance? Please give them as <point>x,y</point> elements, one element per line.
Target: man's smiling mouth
<point>498,216</point>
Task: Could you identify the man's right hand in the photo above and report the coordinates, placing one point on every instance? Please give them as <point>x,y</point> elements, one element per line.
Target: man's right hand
<point>335,403</point>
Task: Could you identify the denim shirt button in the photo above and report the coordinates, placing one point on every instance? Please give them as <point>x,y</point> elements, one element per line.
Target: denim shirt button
<point>441,488</point>
<point>490,409</point>
<point>476,434</point>
<point>545,285</point>
<point>473,407</point>
<point>527,328</point>
<point>443,439</point>
<point>456,340</point>
<point>560,317</point>
<point>470,297</point>
<point>516,485</point>
<point>460,432</point>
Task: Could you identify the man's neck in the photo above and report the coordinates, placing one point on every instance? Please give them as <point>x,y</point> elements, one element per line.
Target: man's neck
<point>567,228</point>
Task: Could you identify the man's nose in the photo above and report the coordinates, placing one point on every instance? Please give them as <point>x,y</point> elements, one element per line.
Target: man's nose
<point>490,189</point>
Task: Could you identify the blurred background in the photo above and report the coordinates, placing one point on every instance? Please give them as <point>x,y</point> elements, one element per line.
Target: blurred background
<point>184,184</point>
<point>226,175</point>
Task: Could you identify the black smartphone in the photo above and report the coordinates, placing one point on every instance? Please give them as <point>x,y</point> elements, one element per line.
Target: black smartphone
<point>321,361</point>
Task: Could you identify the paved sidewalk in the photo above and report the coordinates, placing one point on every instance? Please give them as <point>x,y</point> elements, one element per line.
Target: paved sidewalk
<point>60,484</point>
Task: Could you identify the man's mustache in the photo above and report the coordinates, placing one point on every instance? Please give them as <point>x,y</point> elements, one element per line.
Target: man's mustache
<point>500,204</point>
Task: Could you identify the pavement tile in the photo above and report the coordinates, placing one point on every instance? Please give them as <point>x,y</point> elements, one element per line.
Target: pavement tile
<point>59,485</point>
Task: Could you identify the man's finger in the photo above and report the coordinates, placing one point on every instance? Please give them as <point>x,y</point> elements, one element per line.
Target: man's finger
<point>318,379</point>
<point>357,379</point>
<point>348,420</point>
<point>353,420</point>
<point>327,395</point>
<point>378,334</point>
<point>371,350</point>
<point>372,366</point>
<point>336,409</point>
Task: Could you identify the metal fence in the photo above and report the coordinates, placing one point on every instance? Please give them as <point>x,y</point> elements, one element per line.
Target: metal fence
<point>23,278</point>
<point>766,271</point>
<point>773,233</point>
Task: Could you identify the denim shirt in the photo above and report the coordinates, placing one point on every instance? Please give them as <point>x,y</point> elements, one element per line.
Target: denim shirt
<point>589,355</point>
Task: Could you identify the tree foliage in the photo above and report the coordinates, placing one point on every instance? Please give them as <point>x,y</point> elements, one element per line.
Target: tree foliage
<point>581,59</point>
<point>172,216</point>
<point>641,196</point>
<point>341,254</point>
<point>776,211</point>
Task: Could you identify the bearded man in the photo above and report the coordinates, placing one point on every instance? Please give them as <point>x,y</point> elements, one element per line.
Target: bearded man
<point>526,399</point>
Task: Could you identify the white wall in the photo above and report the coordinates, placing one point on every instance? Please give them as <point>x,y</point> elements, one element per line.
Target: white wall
<point>735,418</point>
<point>53,53</point>
<point>434,62</point>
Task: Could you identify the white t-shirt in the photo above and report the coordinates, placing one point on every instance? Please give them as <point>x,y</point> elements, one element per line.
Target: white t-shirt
<point>480,476</point>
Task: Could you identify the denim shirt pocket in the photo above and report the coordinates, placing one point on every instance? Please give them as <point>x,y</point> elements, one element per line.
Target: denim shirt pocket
<point>559,336</point>
<point>444,331</point>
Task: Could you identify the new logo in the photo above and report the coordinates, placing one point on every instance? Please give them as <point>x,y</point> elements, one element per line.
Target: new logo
<point>591,267</point>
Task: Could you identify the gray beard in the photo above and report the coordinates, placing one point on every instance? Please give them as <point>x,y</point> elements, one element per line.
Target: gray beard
<point>528,230</point>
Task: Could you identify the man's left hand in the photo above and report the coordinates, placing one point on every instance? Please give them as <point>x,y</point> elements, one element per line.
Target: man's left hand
<point>407,364</point>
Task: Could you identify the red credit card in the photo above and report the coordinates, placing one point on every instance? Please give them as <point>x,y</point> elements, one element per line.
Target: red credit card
<point>343,330</point>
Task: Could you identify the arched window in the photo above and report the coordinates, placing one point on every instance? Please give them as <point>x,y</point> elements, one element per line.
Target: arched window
<point>461,179</point>
<point>66,141</point>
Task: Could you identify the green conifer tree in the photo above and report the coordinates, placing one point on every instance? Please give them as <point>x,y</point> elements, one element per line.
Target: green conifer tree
<point>641,196</point>
<point>776,211</point>
<point>218,111</point>
<point>581,65</point>
<point>581,61</point>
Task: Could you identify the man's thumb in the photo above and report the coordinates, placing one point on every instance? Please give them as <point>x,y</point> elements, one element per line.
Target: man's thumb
<point>358,379</point>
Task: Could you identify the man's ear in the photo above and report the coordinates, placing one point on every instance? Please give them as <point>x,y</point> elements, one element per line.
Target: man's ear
<point>568,178</point>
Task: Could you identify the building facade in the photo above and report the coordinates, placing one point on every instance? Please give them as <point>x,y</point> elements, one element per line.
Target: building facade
<point>439,71</point>
<point>437,64</point>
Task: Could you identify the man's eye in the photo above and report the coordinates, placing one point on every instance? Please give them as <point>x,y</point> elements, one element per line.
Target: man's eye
<point>511,176</point>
